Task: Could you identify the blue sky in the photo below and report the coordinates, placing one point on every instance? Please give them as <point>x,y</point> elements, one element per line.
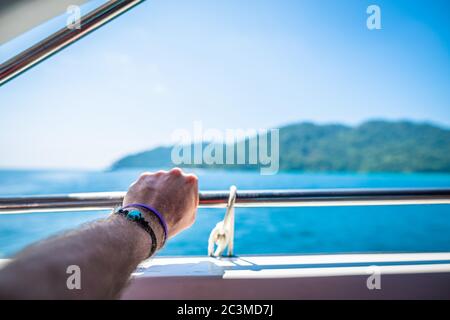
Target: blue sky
<point>230,64</point>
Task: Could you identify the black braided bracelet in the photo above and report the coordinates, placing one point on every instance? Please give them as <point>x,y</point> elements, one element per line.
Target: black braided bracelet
<point>143,224</point>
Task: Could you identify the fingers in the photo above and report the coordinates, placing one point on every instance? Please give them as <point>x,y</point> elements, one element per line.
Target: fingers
<point>188,177</point>
<point>177,172</point>
<point>174,174</point>
<point>191,181</point>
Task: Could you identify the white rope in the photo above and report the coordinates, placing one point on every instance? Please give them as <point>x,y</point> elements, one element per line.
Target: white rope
<point>223,233</point>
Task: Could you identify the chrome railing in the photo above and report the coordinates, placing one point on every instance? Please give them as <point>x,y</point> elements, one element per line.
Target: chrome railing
<point>244,198</point>
<point>63,38</point>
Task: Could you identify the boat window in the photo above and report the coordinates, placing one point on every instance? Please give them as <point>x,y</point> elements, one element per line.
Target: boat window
<point>264,95</point>
<point>23,24</point>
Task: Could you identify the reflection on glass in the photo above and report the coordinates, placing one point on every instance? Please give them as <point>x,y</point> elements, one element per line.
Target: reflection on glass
<point>24,23</point>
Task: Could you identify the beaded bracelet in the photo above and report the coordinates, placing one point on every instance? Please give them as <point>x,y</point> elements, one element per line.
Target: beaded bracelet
<point>136,216</point>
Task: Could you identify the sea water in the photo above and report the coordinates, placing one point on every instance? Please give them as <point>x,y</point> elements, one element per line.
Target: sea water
<point>424,228</point>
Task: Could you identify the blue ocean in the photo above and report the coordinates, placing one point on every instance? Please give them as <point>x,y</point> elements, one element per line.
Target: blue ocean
<point>424,228</point>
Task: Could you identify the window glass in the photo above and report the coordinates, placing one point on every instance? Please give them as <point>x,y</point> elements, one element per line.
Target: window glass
<point>348,96</point>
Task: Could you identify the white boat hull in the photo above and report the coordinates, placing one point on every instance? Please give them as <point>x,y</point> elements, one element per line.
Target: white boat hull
<point>346,276</point>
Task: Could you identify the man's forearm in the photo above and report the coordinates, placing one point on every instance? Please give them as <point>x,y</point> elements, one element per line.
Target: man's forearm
<point>105,251</point>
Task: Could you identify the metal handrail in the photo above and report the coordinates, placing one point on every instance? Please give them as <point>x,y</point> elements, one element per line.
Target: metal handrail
<point>244,198</point>
<point>63,38</point>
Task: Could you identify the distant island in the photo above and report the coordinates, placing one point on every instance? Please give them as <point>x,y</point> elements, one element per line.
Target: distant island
<point>374,146</point>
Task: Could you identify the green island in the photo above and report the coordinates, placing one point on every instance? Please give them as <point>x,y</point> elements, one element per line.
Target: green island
<point>373,146</point>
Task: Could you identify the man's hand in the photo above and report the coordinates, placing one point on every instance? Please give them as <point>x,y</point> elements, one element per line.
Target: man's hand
<point>106,251</point>
<point>173,193</point>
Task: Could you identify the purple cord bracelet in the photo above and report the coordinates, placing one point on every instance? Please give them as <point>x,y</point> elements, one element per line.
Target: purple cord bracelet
<point>153,210</point>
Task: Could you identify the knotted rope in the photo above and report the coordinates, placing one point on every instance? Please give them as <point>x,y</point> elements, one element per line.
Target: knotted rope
<point>223,233</point>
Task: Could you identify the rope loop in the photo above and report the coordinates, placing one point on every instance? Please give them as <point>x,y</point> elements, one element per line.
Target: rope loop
<point>222,236</point>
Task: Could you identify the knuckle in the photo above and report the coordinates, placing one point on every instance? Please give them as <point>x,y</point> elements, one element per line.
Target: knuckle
<point>192,178</point>
<point>176,172</point>
<point>144,175</point>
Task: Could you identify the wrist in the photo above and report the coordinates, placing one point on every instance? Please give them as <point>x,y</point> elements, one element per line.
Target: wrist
<point>154,223</point>
<point>135,236</point>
